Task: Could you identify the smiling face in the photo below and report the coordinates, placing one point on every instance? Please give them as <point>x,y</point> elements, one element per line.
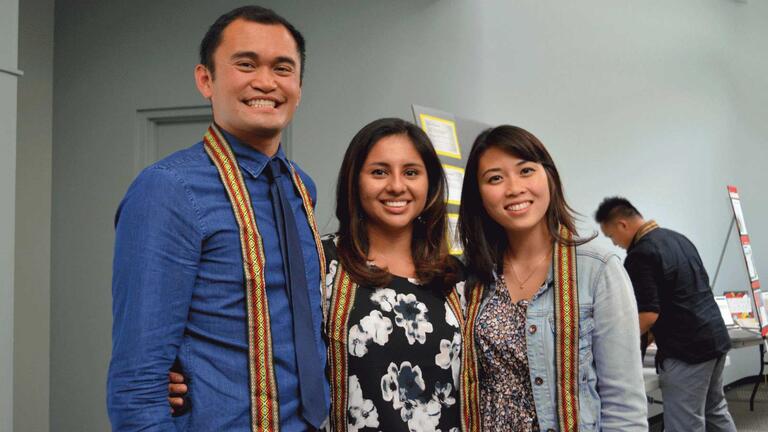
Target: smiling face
<point>514,192</point>
<point>256,86</point>
<point>393,184</point>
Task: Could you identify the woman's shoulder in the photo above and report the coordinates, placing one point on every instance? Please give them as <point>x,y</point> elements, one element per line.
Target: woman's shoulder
<point>590,251</point>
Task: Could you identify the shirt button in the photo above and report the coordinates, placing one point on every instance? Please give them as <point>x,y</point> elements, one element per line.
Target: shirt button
<point>532,329</point>
<point>539,381</point>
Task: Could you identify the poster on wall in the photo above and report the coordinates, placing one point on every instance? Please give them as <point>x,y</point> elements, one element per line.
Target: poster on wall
<point>442,133</point>
<point>454,176</point>
<point>758,299</point>
<point>453,235</point>
<point>452,136</point>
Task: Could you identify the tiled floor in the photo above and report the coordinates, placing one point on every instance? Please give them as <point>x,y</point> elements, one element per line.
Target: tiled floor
<point>738,403</point>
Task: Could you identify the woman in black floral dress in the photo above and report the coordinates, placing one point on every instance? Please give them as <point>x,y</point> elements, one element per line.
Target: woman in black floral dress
<point>393,320</point>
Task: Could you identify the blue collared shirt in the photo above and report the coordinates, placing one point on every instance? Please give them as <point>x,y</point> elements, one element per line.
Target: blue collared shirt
<point>178,296</point>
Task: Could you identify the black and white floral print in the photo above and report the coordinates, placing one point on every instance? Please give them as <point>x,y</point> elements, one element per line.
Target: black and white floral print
<point>450,355</point>
<point>362,413</point>
<point>403,357</point>
<point>373,328</point>
<point>405,394</point>
<point>411,315</point>
<point>404,386</point>
<point>404,347</point>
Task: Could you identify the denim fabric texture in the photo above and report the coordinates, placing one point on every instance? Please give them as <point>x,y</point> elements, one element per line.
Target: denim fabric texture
<point>178,296</point>
<point>611,389</point>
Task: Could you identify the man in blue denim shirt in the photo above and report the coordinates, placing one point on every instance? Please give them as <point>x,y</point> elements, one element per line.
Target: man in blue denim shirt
<point>178,283</point>
<point>675,302</point>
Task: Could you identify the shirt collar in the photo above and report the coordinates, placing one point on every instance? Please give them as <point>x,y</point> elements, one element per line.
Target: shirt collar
<point>643,230</point>
<point>251,160</point>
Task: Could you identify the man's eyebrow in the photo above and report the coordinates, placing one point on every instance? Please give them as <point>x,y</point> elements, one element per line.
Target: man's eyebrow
<point>254,56</point>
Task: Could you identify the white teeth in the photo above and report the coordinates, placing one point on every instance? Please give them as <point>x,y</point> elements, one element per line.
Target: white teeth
<point>261,103</point>
<point>520,206</point>
<point>395,203</point>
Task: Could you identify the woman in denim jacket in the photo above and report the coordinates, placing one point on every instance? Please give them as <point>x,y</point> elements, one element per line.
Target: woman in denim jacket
<point>553,319</point>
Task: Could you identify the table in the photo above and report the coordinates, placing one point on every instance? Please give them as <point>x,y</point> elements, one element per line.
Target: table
<point>740,338</point>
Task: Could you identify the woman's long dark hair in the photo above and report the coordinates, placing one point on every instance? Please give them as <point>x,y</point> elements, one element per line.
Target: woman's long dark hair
<point>483,239</point>
<point>429,247</point>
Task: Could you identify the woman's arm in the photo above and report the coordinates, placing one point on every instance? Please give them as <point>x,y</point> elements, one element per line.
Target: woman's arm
<point>616,350</point>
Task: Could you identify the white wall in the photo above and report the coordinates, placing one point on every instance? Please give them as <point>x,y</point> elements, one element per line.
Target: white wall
<point>656,101</point>
<point>33,218</point>
<point>8,91</point>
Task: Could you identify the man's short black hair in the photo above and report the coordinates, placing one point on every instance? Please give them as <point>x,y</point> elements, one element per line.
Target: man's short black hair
<point>253,13</point>
<point>612,207</point>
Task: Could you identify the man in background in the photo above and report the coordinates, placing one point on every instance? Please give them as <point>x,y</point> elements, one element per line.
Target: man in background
<point>675,302</point>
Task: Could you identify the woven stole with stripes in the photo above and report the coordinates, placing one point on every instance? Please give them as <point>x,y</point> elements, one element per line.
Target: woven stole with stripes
<point>337,328</point>
<point>265,415</point>
<point>566,309</point>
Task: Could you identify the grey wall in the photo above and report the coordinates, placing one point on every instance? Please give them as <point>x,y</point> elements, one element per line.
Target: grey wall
<point>33,218</point>
<point>661,102</point>
<point>748,151</point>
<point>8,92</point>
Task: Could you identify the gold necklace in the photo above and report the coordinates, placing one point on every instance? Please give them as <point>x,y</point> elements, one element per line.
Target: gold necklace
<point>535,267</point>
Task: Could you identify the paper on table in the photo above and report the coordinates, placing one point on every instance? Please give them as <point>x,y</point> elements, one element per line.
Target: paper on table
<point>722,303</point>
<point>739,304</point>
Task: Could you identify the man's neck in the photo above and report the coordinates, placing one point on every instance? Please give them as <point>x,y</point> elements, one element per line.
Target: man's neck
<point>640,227</point>
<point>644,228</point>
<point>265,144</point>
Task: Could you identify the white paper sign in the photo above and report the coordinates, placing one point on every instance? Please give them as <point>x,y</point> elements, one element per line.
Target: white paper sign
<point>739,216</point>
<point>750,264</point>
<point>722,303</point>
<point>455,179</point>
<point>453,238</point>
<point>739,303</point>
<point>442,133</point>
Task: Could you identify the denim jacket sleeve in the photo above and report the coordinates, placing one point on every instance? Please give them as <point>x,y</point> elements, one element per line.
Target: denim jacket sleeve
<point>157,250</point>
<point>616,350</point>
